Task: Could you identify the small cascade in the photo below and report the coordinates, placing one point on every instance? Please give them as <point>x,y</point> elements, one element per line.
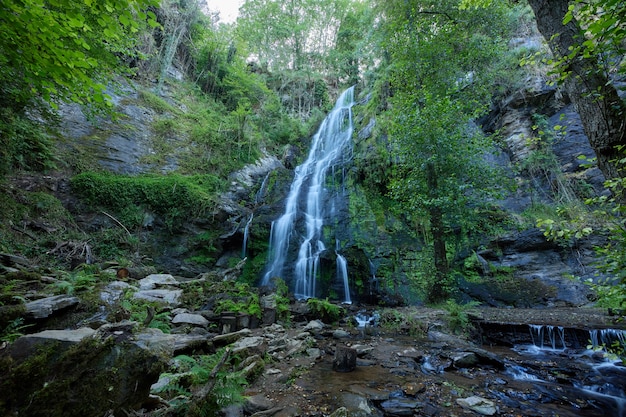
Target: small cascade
<point>364,320</point>
<point>342,276</point>
<point>261,193</point>
<point>308,203</point>
<point>601,338</point>
<point>246,232</point>
<point>554,335</point>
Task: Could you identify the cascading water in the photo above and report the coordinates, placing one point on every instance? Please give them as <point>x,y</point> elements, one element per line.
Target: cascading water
<point>554,334</point>
<point>330,148</point>
<point>342,275</point>
<point>246,233</point>
<point>599,377</point>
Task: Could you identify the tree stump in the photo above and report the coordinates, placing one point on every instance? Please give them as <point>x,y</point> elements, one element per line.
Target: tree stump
<point>228,321</point>
<point>345,359</point>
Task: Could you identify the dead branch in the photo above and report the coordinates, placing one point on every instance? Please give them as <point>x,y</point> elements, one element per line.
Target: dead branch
<point>116,221</point>
<point>206,389</point>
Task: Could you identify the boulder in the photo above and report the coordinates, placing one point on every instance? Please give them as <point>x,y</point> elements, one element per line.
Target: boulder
<point>250,345</point>
<point>314,326</point>
<point>464,359</point>
<point>81,372</point>
<point>257,403</point>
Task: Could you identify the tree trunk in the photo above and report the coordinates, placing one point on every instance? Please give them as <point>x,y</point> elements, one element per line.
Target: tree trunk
<point>438,291</point>
<point>345,359</point>
<point>601,110</point>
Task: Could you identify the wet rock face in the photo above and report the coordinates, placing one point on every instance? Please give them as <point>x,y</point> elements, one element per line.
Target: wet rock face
<point>120,147</point>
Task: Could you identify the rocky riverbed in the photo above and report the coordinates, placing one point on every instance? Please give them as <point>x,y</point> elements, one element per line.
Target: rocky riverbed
<point>89,353</point>
<point>433,374</point>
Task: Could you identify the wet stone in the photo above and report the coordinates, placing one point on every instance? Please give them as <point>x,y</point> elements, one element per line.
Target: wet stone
<point>464,359</point>
<point>413,388</point>
<point>257,403</point>
<point>357,405</point>
<point>341,334</point>
<point>480,405</point>
<point>399,406</point>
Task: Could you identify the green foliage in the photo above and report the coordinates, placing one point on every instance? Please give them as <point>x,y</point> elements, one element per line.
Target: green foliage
<point>138,311</point>
<point>13,330</point>
<point>282,300</point>
<point>207,251</point>
<point>402,322</point>
<point>604,35</point>
<point>325,310</point>
<point>241,298</point>
<point>24,144</point>
<point>74,282</point>
<point>442,71</point>
<point>191,373</point>
<point>84,281</point>
<point>458,319</point>
<point>176,198</point>
<point>66,50</point>
<point>157,103</point>
<point>612,290</point>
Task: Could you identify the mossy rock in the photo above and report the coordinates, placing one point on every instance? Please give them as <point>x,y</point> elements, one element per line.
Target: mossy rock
<point>95,377</point>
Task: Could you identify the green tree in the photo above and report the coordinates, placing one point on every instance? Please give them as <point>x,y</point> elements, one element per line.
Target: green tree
<point>352,45</point>
<point>66,50</point>
<point>442,60</point>
<point>303,49</point>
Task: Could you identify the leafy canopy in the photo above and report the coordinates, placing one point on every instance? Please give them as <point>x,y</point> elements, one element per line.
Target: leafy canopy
<point>442,61</point>
<point>65,49</point>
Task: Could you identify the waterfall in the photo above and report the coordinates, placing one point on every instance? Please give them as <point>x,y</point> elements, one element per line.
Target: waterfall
<point>261,193</point>
<point>331,146</point>
<point>607,337</point>
<point>342,275</point>
<point>554,334</point>
<point>246,232</point>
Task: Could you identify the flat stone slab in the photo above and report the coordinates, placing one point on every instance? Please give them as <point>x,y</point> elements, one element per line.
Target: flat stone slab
<point>190,318</point>
<point>45,307</point>
<point>157,280</point>
<point>27,344</point>
<point>169,297</point>
<point>580,317</point>
<point>64,335</point>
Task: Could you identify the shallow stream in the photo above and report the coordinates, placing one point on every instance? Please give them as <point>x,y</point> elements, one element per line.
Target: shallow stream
<point>401,376</point>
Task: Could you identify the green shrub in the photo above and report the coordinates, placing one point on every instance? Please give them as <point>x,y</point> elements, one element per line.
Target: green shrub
<point>242,299</point>
<point>402,322</point>
<point>282,300</point>
<point>458,319</point>
<point>176,198</point>
<point>325,310</point>
<point>24,144</point>
<point>194,372</point>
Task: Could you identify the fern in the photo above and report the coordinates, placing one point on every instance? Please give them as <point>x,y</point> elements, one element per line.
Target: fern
<point>325,310</point>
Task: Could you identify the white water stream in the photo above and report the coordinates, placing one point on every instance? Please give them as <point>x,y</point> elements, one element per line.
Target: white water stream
<point>331,146</point>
